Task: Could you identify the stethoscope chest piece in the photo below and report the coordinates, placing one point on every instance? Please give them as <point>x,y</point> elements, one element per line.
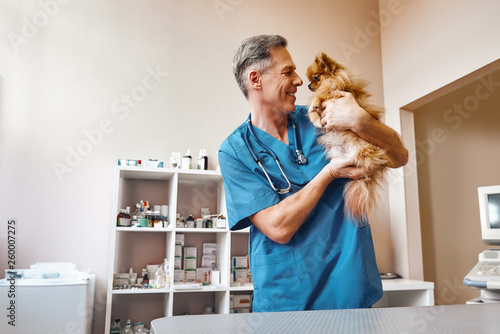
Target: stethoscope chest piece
<point>301,158</point>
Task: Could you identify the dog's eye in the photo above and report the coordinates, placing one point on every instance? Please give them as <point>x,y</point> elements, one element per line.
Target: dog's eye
<point>316,78</point>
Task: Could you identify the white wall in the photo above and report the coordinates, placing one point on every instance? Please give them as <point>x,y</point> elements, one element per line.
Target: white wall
<point>427,45</point>
<point>76,77</point>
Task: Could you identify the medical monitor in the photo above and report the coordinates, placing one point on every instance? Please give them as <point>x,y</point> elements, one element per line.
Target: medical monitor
<point>489,210</point>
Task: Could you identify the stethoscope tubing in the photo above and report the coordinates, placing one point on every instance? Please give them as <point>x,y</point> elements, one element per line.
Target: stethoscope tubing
<point>301,159</point>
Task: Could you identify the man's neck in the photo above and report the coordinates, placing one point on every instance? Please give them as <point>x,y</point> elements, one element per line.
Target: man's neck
<point>271,122</point>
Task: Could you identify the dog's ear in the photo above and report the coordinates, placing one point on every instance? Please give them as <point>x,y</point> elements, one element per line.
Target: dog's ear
<point>325,63</point>
<point>320,60</point>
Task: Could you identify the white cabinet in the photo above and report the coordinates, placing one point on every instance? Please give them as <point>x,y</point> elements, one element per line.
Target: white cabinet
<point>185,192</point>
<point>406,292</point>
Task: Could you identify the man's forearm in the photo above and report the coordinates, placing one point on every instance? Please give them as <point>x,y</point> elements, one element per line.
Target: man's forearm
<point>384,137</point>
<point>280,222</point>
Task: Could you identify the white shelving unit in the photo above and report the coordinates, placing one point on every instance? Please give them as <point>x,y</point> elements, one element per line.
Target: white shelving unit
<point>185,192</point>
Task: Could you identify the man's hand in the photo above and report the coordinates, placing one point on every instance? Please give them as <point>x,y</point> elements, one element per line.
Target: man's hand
<point>341,113</point>
<point>343,168</point>
<point>344,113</point>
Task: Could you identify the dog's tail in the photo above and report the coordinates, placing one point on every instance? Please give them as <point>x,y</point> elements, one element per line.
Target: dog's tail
<point>361,197</point>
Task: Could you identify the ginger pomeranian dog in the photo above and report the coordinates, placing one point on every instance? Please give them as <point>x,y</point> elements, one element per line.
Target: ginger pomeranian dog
<point>327,77</point>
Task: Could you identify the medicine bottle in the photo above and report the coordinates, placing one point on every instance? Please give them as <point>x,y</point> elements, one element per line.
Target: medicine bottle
<point>203,160</point>
<point>187,160</point>
<point>190,222</point>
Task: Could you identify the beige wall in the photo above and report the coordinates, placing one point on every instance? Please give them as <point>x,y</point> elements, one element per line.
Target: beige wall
<point>426,45</point>
<point>428,49</point>
<point>80,81</point>
<point>458,141</point>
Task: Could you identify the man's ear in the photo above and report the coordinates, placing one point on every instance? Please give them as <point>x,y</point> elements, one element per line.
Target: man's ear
<point>254,77</point>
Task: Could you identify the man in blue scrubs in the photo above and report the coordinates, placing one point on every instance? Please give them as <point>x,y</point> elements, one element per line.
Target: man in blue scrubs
<point>305,254</point>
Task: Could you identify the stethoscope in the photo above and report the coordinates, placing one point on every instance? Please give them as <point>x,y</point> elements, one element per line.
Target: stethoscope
<point>301,158</point>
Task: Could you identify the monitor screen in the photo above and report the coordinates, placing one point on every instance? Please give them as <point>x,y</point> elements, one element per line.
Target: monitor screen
<point>494,210</point>
<point>489,209</point>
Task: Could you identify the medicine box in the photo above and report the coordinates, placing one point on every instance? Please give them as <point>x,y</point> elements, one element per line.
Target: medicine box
<point>209,249</point>
<point>189,275</point>
<point>242,301</point>
<point>203,275</point>
<point>239,273</point>
<point>215,277</point>
<point>178,263</point>
<point>239,262</point>
<point>190,264</point>
<point>190,252</point>
<point>179,239</point>
<point>178,251</point>
<point>208,261</point>
<point>178,275</point>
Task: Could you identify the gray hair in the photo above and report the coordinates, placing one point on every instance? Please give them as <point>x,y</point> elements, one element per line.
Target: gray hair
<point>254,54</point>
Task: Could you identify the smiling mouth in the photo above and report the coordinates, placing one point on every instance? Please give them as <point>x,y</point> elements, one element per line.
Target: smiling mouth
<point>291,94</point>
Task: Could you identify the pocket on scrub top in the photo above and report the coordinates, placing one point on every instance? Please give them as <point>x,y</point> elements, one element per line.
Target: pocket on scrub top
<point>276,281</point>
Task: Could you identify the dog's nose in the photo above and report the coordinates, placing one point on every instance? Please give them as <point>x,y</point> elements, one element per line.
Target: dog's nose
<point>310,87</point>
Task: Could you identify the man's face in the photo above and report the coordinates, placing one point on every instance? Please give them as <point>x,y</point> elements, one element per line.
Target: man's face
<point>280,83</point>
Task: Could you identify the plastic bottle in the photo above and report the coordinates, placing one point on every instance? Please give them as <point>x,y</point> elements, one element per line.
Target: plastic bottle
<point>123,218</point>
<point>149,216</point>
<point>157,219</point>
<point>190,222</point>
<point>202,160</point>
<point>128,328</point>
<point>145,280</point>
<point>159,279</point>
<point>115,328</point>
<point>186,160</point>
<point>141,329</point>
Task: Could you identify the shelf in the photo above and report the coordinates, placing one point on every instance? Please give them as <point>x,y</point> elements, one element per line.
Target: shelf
<point>241,288</point>
<point>139,291</point>
<point>146,173</point>
<point>185,192</point>
<point>201,230</point>
<point>402,284</point>
<point>144,229</point>
<point>201,289</point>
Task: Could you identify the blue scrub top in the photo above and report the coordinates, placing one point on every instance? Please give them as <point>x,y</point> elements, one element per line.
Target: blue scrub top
<point>330,262</point>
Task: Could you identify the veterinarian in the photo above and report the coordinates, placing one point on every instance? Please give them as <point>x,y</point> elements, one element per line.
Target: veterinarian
<point>305,254</point>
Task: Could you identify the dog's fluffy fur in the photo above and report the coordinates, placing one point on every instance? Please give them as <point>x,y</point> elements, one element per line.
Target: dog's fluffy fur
<point>326,76</point>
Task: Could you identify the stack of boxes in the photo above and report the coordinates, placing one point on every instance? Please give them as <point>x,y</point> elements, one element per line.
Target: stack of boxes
<point>240,270</point>
<point>186,260</point>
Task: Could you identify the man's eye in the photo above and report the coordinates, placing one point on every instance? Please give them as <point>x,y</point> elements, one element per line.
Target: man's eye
<point>316,78</point>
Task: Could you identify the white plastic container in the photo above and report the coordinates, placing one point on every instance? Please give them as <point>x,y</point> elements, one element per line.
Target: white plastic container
<point>47,305</point>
